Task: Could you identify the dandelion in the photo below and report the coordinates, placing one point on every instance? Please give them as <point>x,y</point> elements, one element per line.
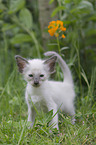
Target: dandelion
<point>55,28</point>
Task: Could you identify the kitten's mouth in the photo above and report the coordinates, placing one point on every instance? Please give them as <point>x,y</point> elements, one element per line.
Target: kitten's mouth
<point>36,85</point>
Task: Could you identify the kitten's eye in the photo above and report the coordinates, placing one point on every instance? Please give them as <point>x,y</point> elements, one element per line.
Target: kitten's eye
<point>30,75</point>
<point>41,75</point>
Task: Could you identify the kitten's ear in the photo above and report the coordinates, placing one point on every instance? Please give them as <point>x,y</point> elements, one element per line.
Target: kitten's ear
<point>51,63</point>
<point>21,63</point>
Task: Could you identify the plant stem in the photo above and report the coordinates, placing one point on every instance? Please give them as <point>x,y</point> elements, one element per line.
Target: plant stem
<point>58,69</point>
<point>31,33</point>
<point>79,69</point>
<point>60,12</point>
<point>35,41</point>
<point>5,42</point>
<point>58,45</point>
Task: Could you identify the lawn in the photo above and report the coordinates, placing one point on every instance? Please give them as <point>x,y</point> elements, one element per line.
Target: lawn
<point>14,128</point>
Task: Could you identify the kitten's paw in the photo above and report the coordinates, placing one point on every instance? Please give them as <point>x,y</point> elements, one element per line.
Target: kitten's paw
<point>73,121</point>
<point>30,125</point>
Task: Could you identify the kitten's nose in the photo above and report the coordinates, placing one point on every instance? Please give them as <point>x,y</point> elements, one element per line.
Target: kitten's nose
<point>36,82</point>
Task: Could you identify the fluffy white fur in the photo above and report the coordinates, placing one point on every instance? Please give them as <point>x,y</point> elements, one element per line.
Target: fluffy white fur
<point>46,94</point>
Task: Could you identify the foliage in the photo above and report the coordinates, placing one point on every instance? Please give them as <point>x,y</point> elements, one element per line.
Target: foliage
<point>17,26</point>
<point>80,20</point>
<point>18,34</point>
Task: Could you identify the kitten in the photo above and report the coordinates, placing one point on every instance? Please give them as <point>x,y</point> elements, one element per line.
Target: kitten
<point>43,93</point>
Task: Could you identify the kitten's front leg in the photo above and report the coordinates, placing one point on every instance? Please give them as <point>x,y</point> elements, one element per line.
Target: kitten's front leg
<point>31,115</point>
<point>54,121</point>
<point>31,111</point>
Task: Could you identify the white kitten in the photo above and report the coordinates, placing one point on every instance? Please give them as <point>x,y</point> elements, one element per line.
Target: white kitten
<point>43,93</point>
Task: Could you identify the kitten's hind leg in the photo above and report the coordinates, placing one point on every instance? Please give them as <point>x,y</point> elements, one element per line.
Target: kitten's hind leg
<point>73,120</point>
<point>72,114</point>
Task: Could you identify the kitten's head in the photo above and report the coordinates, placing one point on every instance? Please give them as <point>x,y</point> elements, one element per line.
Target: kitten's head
<point>36,71</point>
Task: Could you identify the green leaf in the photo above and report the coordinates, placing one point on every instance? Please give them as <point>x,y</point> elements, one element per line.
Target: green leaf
<point>91,32</point>
<point>86,5</point>
<point>82,8</point>
<point>90,41</point>
<point>93,17</point>
<point>51,1</point>
<point>67,1</point>
<point>1,22</point>
<point>46,118</point>
<point>8,26</point>
<point>2,7</point>
<point>16,5</point>
<point>85,78</point>
<point>25,17</point>
<point>63,48</point>
<point>20,38</point>
<point>59,8</point>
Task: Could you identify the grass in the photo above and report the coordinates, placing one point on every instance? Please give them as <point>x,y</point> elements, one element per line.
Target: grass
<point>14,128</point>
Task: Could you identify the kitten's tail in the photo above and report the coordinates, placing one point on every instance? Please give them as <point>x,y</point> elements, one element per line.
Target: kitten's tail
<point>63,65</point>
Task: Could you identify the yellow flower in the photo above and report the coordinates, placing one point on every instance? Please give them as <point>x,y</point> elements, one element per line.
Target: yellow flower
<point>51,26</point>
<point>51,31</point>
<point>63,28</point>
<point>52,22</point>
<point>63,36</point>
<point>59,22</point>
<point>55,28</point>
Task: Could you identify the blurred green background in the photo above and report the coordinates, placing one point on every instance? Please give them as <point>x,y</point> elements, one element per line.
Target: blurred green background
<point>23,31</point>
